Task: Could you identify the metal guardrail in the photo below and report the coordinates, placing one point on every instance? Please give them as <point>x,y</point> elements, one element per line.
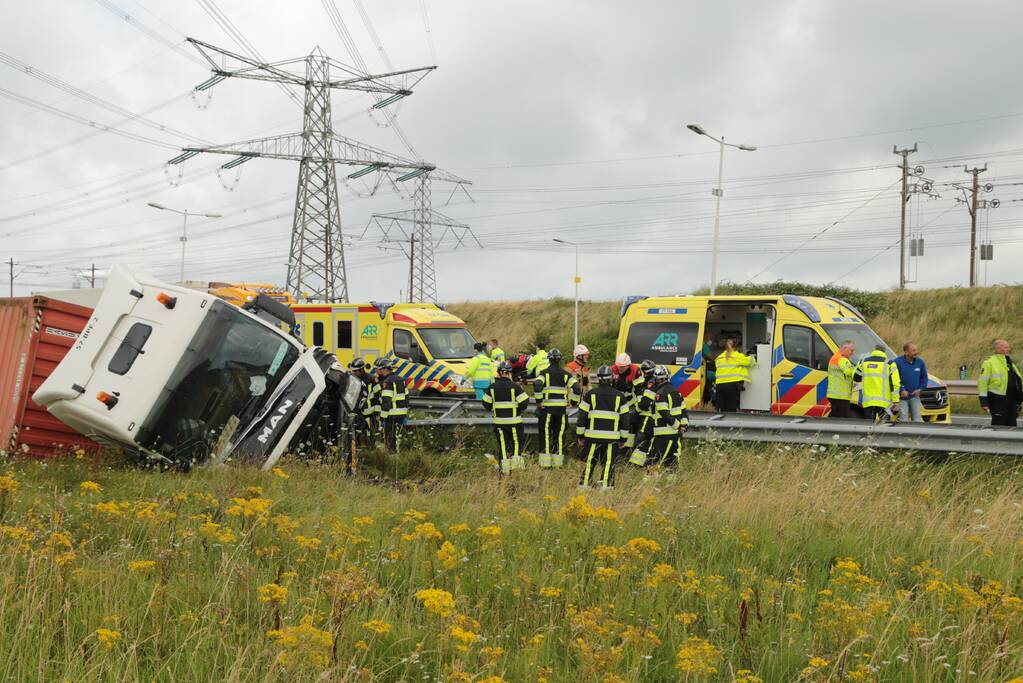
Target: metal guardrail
<point>972,438</point>
<point>961,387</point>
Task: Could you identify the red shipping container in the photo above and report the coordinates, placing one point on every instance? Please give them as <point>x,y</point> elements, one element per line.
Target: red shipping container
<point>35,334</point>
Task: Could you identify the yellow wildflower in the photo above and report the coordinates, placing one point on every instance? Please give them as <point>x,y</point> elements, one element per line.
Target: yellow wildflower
<point>425,531</point>
<point>249,507</point>
<point>365,520</point>
<point>376,626</point>
<point>90,487</point>
<point>607,573</point>
<point>8,484</point>
<point>108,638</point>
<point>642,547</point>
<point>215,532</point>
<point>273,593</point>
<point>448,555</point>
<point>747,676</point>
<point>686,618</point>
<point>307,542</point>
<point>304,644</point>
<point>697,656</point>
<point>456,529</point>
<point>278,472</point>
<point>550,592</point>
<point>141,565</point>
<point>463,636</point>
<point>437,601</point>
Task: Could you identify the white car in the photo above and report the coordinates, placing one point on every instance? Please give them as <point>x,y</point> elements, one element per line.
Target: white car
<point>180,376</point>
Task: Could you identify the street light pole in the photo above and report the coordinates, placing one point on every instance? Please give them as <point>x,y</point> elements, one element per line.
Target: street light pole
<point>184,229</point>
<point>575,335</point>
<point>717,192</point>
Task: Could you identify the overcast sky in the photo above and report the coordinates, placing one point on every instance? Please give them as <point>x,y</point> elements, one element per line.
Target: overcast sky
<point>568,118</point>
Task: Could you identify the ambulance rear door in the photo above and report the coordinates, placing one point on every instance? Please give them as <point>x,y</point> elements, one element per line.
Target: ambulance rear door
<point>671,334</point>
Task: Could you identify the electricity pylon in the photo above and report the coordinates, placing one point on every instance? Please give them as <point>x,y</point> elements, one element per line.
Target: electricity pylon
<point>316,262</point>
<point>413,232</point>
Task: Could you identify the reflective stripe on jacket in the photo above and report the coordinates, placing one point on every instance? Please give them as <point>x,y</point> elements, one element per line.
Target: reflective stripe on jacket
<point>537,363</point>
<point>603,415</point>
<point>733,367</point>
<point>840,377</point>
<point>393,396</point>
<point>555,389</point>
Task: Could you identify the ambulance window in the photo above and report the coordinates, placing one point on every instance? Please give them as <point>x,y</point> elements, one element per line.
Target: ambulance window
<point>318,333</point>
<point>804,346</point>
<point>668,343</point>
<point>403,344</point>
<point>343,340</point>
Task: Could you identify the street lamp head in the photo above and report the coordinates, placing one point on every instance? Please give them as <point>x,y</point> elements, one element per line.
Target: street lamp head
<point>696,128</point>
<point>748,148</point>
<point>158,206</point>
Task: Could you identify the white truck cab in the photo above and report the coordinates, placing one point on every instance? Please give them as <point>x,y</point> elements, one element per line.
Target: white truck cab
<point>180,376</point>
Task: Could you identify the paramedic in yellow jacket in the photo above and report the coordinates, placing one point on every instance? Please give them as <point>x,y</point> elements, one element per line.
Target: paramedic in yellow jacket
<point>731,372</point>
<point>480,370</point>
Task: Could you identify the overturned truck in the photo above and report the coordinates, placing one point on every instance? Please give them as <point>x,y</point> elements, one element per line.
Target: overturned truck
<point>181,377</point>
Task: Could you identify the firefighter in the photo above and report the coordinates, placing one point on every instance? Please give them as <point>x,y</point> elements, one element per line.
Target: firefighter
<point>393,404</point>
<point>1000,386</point>
<point>496,352</point>
<point>480,370</point>
<point>507,401</point>
<point>363,421</point>
<point>553,391</point>
<point>538,362</point>
<point>879,390</point>
<point>840,379</point>
<point>602,426</point>
<point>642,408</point>
<point>670,420</point>
<point>731,371</point>
<point>579,366</point>
<point>627,377</point>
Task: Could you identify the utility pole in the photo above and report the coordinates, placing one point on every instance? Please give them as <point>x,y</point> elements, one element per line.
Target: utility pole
<point>972,206</point>
<point>10,263</point>
<point>905,198</point>
<point>92,277</point>
<point>411,265</point>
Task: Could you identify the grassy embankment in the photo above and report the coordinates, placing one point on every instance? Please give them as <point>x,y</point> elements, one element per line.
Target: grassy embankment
<point>764,563</point>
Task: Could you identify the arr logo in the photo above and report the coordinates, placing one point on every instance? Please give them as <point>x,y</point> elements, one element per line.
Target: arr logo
<point>369,331</point>
<point>275,420</point>
<point>666,340</point>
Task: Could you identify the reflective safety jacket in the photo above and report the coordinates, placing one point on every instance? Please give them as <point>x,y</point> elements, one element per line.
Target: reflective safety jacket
<point>479,368</point>
<point>994,377</point>
<point>604,414</point>
<point>840,377</point>
<point>554,389</point>
<point>582,374</point>
<point>670,415</point>
<point>733,367</point>
<point>393,396</point>
<point>538,362</point>
<point>497,354</point>
<point>506,401</point>
<point>880,378</point>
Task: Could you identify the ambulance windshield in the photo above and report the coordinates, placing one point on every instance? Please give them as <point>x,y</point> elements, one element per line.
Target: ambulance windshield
<point>864,338</point>
<point>447,342</point>
<point>229,370</point>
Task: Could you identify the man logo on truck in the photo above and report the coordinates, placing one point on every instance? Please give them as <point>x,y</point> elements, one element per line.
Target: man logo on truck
<point>369,331</point>
<point>269,429</point>
<point>666,342</point>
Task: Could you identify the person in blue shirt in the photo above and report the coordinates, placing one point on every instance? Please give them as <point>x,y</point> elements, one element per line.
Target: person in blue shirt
<point>912,380</point>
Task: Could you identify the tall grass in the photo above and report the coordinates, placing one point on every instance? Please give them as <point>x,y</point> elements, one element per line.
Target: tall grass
<point>770,563</point>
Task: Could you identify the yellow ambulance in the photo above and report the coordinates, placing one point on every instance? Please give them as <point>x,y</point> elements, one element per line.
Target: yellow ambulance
<point>430,347</point>
<point>792,338</point>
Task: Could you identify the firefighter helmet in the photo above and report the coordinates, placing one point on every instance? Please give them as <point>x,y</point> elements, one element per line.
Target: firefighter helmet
<point>661,373</point>
<point>554,355</point>
<point>647,366</point>
<point>604,375</point>
<point>623,360</point>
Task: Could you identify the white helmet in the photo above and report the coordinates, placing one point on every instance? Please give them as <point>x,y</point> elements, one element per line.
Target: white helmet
<point>580,350</point>
<point>623,360</point>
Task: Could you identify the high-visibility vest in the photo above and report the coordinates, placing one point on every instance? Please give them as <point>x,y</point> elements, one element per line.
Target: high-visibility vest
<point>538,363</point>
<point>480,368</point>
<point>876,389</point>
<point>733,367</point>
<point>497,354</point>
<point>840,377</point>
<point>994,376</point>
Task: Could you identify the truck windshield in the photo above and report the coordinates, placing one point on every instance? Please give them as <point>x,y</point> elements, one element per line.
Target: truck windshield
<point>860,334</point>
<point>229,370</point>
<point>448,342</point>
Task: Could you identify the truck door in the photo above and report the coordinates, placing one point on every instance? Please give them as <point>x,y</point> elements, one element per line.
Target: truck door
<point>801,372</point>
<point>672,337</point>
